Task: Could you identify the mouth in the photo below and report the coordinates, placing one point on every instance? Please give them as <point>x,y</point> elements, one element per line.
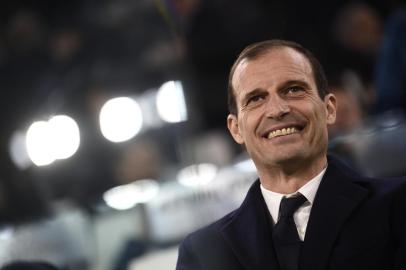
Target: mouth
<point>283,131</point>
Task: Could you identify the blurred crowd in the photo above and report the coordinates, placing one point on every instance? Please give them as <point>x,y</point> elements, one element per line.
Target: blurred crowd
<point>71,56</point>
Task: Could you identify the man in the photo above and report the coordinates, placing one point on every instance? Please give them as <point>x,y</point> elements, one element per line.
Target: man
<point>280,109</point>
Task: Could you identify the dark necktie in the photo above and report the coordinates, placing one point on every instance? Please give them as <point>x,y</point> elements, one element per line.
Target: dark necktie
<point>285,237</point>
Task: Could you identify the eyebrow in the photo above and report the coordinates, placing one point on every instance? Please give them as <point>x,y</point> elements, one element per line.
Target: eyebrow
<point>294,82</point>
<point>252,93</point>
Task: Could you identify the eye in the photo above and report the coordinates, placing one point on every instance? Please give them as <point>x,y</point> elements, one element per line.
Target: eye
<point>293,90</point>
<point>254,99</point>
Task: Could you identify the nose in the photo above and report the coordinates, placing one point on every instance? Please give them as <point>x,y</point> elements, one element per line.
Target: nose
<point>276,107</point>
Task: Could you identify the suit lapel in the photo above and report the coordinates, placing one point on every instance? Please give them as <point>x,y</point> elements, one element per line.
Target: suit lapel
<point>249,233</point>
<point>336,198</point>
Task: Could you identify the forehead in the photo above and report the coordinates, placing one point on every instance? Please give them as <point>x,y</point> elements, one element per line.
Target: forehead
<point>276,66</point>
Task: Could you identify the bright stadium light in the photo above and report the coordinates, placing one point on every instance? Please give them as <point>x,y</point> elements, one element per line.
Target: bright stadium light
<point>46,141</point>
<point>120,119</point>
<point>170,102</point>
<point>39,143</point>
<point>65,136</point>
<point>197,175</point>
<point>127,196</point>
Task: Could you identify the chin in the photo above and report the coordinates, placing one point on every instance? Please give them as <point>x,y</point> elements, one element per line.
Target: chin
<point>287,155</point>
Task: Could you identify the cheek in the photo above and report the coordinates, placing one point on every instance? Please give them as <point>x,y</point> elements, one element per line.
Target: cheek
<point>317,119</point>
<point>319,110</point>
<point>321,125</point>
<point>248,127</point>
<point>247,122</point>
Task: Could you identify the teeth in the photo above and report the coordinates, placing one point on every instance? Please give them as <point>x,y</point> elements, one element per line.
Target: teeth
<point>282,132</point>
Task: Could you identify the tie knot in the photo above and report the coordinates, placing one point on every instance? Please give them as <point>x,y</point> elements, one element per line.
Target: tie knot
<point>290,205</point>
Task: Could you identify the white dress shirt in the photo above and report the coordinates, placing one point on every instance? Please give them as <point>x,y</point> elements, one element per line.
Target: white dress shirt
<point>301,216</point>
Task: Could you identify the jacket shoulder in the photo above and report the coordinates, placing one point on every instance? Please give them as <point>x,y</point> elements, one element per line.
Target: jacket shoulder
<point>205,248</point>
<point>210,232</point>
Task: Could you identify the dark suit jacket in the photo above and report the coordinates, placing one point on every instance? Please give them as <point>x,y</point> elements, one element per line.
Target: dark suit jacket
<point>355,223</point>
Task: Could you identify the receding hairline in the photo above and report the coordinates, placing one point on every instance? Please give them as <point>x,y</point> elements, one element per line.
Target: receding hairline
<point>258,55</point>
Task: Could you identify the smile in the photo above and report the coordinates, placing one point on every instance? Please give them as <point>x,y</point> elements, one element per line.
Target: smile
<point>282,132</point>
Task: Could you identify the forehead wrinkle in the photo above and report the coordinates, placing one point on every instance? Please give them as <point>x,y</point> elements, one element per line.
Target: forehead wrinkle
<point>292,65</point>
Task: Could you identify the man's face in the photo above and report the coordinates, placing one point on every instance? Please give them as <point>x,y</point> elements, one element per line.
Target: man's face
<point>281,117</point>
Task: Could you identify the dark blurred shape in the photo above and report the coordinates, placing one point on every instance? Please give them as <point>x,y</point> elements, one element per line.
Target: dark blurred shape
<point>29,266</point>
<point>131,250</point>
<point>356,34</point>
<point>140,160</point>
<point>24,31</point>
<point>65,44</point>
<point>391,67</point>
<point>358,27</point>
<point>21,199</point>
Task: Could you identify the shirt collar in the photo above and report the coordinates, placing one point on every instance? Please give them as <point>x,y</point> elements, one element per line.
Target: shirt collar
<point>273,199</point>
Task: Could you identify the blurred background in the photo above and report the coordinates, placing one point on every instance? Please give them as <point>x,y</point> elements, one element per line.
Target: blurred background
<point>113,142</point>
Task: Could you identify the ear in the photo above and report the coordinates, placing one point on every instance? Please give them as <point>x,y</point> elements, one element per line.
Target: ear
<point>330,102</point>
<point>232,124</point>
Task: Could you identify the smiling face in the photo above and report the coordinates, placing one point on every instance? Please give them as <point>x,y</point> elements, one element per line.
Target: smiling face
<point>280,116</point>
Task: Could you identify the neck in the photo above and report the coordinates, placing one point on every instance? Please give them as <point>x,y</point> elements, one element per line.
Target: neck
<point>288,178</point>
